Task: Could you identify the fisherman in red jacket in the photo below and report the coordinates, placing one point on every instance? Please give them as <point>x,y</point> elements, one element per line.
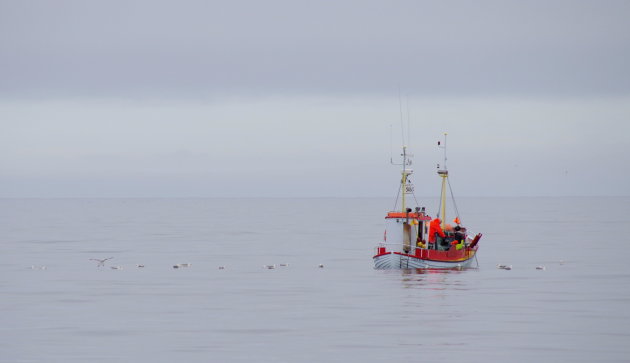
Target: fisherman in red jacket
<point>435,228</point>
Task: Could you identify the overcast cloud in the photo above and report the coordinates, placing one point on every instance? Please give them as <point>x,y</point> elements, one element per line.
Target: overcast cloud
<point>291,98</point>
<point>186,47</point>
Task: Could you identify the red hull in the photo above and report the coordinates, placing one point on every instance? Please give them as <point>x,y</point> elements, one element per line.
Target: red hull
<point>434,255</point>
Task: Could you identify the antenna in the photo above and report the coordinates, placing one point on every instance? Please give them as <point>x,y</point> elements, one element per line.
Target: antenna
<point>391,143</point>
<point>402,125</point>
<point>408,122</point>
<point>406,187</point>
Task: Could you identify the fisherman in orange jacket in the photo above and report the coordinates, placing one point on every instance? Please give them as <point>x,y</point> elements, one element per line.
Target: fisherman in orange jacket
<point>435,227</point>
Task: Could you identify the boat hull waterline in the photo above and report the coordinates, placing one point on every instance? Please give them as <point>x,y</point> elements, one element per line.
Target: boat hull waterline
<point>397,260</point>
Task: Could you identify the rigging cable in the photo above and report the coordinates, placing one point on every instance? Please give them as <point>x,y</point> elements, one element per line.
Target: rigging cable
<point>414,198</point>
<point>397,194</point>
<point>453,197</point>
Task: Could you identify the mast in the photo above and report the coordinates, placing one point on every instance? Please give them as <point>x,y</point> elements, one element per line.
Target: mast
<point>444,174</point>
<point>407,188</point>
<point>403,181</point>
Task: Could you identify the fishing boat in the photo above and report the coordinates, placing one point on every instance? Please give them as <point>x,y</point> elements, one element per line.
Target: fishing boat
<point>414,240</point>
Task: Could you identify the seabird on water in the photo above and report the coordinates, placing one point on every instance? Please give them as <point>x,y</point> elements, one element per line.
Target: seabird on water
<point>101,262</point>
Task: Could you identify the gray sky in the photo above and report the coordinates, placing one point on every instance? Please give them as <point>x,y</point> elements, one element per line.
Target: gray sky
<point>290,98</point>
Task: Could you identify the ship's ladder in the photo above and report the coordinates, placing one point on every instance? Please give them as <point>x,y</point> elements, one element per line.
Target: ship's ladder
<point>404,261</point>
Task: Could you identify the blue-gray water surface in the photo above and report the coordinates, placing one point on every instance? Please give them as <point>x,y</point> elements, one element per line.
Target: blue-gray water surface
<point>577,309</point>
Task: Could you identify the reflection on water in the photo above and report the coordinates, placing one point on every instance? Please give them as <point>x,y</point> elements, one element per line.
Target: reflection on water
<point>434,279</point>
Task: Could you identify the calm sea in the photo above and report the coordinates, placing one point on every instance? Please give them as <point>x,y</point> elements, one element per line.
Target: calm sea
<point>576,310</point>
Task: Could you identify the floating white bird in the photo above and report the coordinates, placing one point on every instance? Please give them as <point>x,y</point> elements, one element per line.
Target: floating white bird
<point>182,265</point>
<point>116,267</point>
<point>540,267</point>
<point>269,267</point>
<point>284,264</point>
<point>33,267</point>
<point>320,265</point>
<point>140,265</point>
<point>101,262</point>
<point>505,267</point>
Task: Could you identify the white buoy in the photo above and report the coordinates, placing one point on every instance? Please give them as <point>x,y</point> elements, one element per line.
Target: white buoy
<point>269,267</point>
<point>116,267</point>
<point>320,265</point>
<point>540,267</point>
